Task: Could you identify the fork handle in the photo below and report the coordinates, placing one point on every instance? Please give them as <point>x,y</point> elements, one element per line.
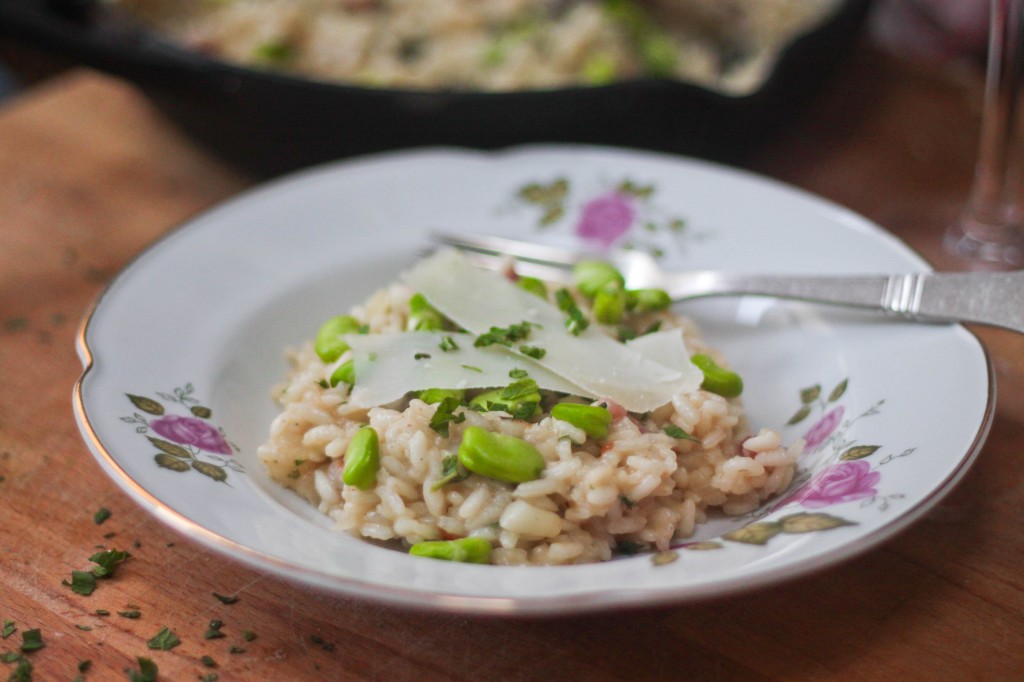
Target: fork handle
<point>989,298</point>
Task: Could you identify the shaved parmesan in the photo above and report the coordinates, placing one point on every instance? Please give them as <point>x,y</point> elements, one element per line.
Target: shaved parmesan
<point>478,300</point>
<point>387,366</point>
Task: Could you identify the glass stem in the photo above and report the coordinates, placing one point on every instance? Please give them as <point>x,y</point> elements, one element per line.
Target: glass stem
<point>993,208</point>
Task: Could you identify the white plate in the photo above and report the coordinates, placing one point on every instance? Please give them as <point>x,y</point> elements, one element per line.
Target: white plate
<point>182,351</point>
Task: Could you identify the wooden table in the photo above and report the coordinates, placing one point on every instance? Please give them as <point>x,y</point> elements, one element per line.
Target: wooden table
<point>91,174</point>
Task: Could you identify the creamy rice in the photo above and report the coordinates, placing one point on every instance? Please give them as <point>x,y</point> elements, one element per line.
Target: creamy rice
<point>636,489</point>
<point>492,44</point>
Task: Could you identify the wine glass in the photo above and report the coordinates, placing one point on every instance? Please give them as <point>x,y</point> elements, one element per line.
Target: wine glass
<point>989,231</point>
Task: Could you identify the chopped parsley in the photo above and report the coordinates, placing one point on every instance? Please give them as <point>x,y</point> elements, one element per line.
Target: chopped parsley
<point>675,432</point>
<point>10,657</point>
<point>225,599</point>
<point>9,629</point>
<point>23,673</point>
<point>448,344</point>
<point>83,666</point>
<point>534,352</point>
<point>213,632</point>
<point>445,414</point>
<point>32,640</point>
<point>319,641</point>
<point>107,561</point>
<point>101,515</point>
<point>626,501</point>
<point>421,356</point>
<point>86,628</point>
<point>147,671</point>
<point>575,321</point>
<point>163,640</point>
<point>504,336</point>
<point>473,369</point>
<point>248,635</point>
<point>208,661</point>
<point>133,614</point>
<point>452,471</point>
<point>82,582</point>
<point>101,612</point>
<point>518,373</point>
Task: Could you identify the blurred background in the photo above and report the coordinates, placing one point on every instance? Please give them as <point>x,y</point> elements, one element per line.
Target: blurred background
<point>224,108</point>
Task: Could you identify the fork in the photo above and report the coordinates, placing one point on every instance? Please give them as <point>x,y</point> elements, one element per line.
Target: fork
<point>986,298</point>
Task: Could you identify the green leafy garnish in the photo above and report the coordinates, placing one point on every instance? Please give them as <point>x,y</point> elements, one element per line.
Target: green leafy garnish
<point>225,599</point>
<point>101,612</point>
<point>472,368</point>
<point>448,344</point>
<point>504,336</point>
<point>147,671</point>
<point>130,614</point>
<point>101,515</point>
<point>107,561</point>
<point>534,352</point>
<point>82,582</point>
<point>213,632</point>
<point>10,657</point>
<point>23,673</point>
<point>421,356</point>
<point>85,628</point>
<point>163,640</point>
<point>208,661</point>
<point>575,321</point>
<point>9,629</point>
<point>444,415</point>
<point>248,635</point>
<point>675,432</point>
<point>31,640</point>
<point>452,471</point>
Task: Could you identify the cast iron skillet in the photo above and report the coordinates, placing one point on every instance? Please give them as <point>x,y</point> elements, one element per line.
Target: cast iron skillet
<point>270,123</point>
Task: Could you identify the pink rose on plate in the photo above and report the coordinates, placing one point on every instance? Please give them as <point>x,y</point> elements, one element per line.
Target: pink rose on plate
<point>606,218</point>
<point>840,482</point>
<point>191,431</point>
<point>823,429</point>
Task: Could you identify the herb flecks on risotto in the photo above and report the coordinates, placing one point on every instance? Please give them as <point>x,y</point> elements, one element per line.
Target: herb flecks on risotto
<point>463,419</point>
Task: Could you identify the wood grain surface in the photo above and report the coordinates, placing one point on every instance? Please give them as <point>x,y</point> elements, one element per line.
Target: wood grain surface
<point>90,173</point>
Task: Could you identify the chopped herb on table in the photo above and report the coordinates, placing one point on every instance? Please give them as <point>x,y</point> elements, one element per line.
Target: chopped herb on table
<point>9,629</point>
<point>22,673</point>
<point>130,614</point>
<point>10,657</point>
<point>224,599</point>
<point>164,640</point>
<point>101,515</point>
<point>32,640</point>
<point>147,671</point>
<point>208,661</point>
<point>213,631</point>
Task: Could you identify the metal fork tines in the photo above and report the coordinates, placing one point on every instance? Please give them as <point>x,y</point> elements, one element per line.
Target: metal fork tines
<point>990,298</point>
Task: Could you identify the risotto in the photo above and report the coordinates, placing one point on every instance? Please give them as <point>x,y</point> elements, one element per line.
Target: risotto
<point>471,415</point>
<point>492,44</point>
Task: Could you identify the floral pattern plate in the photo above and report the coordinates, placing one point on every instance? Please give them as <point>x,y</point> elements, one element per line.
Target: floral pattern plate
<point>182,351</point>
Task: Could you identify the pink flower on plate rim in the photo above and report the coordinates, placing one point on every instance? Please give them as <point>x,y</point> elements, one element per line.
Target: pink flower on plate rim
<point>191,431</point>
<point>841,482</point>
<point>820,432</point>
<point>606,218</point>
